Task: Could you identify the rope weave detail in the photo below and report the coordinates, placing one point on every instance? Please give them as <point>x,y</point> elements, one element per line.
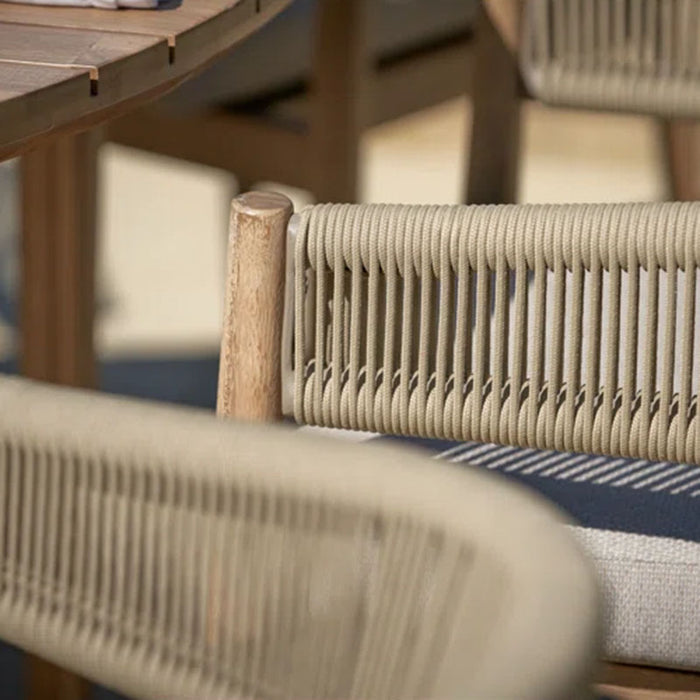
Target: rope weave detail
<point>568,327</point>
<point>197,578</point>
<point>632,55</point>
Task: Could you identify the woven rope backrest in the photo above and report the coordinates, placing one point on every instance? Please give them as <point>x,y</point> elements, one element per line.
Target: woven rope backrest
<point>632,55</point>
<point>168,554</point>
<point>560,327</point>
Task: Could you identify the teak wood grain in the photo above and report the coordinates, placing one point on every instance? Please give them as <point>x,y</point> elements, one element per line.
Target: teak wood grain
<point>250,381</point>
<point>114,59</point>
<point>30,96</point>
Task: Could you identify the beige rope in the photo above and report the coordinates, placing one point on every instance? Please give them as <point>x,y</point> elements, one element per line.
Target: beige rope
<point>553,326</point>
<point>634,55</point>
<point>168,554</point>
<point>167,576</point>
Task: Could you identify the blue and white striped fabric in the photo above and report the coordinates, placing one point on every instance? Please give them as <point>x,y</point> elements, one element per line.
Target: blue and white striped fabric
<point>639,521</point>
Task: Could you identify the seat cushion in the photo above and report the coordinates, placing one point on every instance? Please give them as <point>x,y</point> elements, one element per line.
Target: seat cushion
<point>638,520</point>
<point>279,55</point>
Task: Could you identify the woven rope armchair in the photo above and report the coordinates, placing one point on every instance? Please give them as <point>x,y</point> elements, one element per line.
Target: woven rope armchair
<point>165,553</point>
<point>553,327</point>
<point>567,327</point>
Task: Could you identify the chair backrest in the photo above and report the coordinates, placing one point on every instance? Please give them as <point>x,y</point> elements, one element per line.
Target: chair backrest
<point>631,55</point>
<point>560,327</point>
<point>166,553</point>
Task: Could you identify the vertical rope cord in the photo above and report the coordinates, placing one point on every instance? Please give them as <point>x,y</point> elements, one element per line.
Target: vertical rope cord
<point>592,335</point>
<point>612,359</point>
<point>513,324</point>
<point>574,336</point>
<point>482,329</point>
<point>556,338</point>
<point>537,368</point>
<point>666,369</point>
<point>633,55</point>
<point>500,350</point>
<point>688,341</point>
<point>629,382</point>
<point>463,325</point>
<point>445,325</point>
<point>650,348</point>
<point>517,433</point>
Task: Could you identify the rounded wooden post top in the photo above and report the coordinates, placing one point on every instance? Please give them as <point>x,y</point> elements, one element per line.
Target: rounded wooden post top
<point>250,378</point>
<point>261,204</point>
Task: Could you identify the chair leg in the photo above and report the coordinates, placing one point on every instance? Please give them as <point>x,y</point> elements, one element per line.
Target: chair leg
<point>250,382</point>
<point>339,100</point>
<point>57,303</point>
<point>625,682</point>
<point>49,682</point>
<point>495,128</point>
<point>681,140</point>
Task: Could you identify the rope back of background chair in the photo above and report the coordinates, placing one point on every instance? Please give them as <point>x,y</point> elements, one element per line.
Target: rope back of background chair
<point>166,553</point>
<point>631,55</point>
<point>560,327</point>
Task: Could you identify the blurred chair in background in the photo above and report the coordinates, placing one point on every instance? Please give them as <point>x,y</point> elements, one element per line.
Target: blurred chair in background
<point>636,56</point>
<point>290,104</point>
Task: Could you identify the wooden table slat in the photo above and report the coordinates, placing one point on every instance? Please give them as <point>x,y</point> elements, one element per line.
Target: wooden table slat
<point>29,94</point>
<point>133,55</point>
<point>22,42</point>
<point>20,79</point>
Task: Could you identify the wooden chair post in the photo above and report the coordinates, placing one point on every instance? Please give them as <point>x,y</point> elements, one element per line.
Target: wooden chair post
<point>250,382</point>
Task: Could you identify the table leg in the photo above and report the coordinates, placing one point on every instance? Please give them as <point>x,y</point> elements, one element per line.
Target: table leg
<point>57,302</point>
<point>58,261</point>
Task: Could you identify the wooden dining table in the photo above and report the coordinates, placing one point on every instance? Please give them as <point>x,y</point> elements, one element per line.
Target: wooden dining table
<point>64,72</point>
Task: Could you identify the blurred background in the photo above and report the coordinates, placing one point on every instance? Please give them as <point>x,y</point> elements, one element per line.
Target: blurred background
<point>163,219</point>
<point>320,106</point>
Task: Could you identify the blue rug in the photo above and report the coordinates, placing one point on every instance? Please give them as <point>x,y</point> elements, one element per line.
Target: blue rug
<point>189,381</point>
